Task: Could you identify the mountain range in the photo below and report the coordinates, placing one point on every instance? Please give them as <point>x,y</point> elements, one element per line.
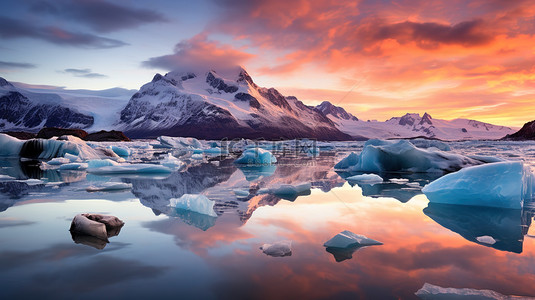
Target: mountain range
<point>212,105</point>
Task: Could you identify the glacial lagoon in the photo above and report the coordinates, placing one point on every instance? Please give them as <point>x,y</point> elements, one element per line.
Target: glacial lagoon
<point>162,251</point>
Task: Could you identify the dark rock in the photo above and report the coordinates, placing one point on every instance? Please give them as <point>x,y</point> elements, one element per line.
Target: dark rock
<point>327,108</point>
<point>464,130</point>
<point>253,102</point>
<point>219,84</point>
<point>527,132</point>
<point>21,135</point>
<point>107,136</point>
<point>49,132</point>
<point>426,119</point>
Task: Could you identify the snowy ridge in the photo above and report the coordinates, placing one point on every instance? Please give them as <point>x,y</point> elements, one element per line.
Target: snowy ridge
<point>413,125</point>
<point>213,105</point>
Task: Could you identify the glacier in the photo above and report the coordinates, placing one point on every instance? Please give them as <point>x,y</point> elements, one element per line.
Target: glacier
<point>196,203</point>
<point>501,184</point>
<point>256,156</point>
<point>348,239</point>
<point>402,156</point>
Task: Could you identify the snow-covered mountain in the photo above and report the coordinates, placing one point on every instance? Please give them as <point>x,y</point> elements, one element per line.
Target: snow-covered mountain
<point>27,108</point>
<point>413,125</point>
<point>211,105</point>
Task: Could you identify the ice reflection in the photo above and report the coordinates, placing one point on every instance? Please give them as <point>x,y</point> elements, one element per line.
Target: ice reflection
<point>400,186</point>
<point>506,226</point>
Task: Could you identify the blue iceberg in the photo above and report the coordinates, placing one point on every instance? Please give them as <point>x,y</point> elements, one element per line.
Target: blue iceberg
<point>256,156</point>
<point>196,203</point>
<point>501,184</point>
<point>365,178</point>
<point>121,151</point>
<point>348,239</point>
<point>402,156</point>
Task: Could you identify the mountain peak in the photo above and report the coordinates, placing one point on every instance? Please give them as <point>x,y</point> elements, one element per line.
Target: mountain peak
<point>327,108</point>
<point>5,83</point>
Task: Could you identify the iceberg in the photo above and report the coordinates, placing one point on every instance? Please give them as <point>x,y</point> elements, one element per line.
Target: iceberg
<point>179,142</point>
<point>288,191</point>
<point>172,162</point>
<point>9,146</point>
<point>402,156</point>
<point>256,156</point>
<point>501,184</point>
<point>110,187</point>
<point>253,173</point>
<point>99,226</point>
<point>432,292</point>
<point>366,178</point>
<point>121,151</point>
<point>241,193</point>
<point>196,203</point>
<point>348,239</point>
<point>58,161</point>
<point>71,157</point>
<point>278,249</point>
<point>45,149</point>
<point>197,156</point>
<point>107,166</point>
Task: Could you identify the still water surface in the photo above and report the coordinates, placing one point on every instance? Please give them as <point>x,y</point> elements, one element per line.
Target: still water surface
<point>162,252</point>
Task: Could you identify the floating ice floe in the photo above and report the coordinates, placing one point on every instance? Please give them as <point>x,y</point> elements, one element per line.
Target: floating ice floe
<point>196,203</point>
<point>432,292</point>
<point>58,161</point>
<point>99,226</point>
<point>402,156</point>
<point>502,184</point>
<point>74,166</point>
<point>241,193</point>
<point>172,162</point>
<point>366,178</point>
<point>107,166</point>
<point>278,249</point>
<point>197,156</point>
<point>256,156</point>
<point>215,151</point>
<point>71,157</point>
<point>6,177</point>
<point>287,191</point>
<point>109,187</point>
<point>486,240</point>
<point>179,142</point>
<point>121,151</point>
<point>348,239</point>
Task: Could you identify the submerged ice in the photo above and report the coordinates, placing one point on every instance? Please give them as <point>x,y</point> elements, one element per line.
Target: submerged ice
<point>501,184</point>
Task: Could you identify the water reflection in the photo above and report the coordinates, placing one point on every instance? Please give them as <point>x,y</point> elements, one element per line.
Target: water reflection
<point>341,254</point>
<point>400,186</point>
<point>506,226</point>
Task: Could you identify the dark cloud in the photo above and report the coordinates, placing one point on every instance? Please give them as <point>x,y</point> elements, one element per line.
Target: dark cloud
<point>429,35</point>
<point>99,15</point>
<point>16,65</point>
<point>86,73</point>
<point>11,29</point>
<point>200,54</point>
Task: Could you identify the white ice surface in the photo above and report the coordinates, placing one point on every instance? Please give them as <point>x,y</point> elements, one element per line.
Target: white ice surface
<point>346,239</point>
<point>196,203</point>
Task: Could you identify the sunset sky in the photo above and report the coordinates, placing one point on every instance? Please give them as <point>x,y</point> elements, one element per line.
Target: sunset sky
<point>377,59</point>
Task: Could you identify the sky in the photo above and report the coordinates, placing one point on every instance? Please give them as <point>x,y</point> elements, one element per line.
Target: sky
<point>377,59</point>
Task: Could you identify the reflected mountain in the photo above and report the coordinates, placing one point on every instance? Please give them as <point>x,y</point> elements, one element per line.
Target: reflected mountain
<point>506,226</point>
<point>219,181</point>
<point>400,186</point>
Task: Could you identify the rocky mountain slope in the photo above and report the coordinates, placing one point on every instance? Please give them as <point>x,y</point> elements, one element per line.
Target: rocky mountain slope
<point>527,132</point>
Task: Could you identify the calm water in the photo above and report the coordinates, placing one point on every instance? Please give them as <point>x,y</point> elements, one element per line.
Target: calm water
<point>162,252</point>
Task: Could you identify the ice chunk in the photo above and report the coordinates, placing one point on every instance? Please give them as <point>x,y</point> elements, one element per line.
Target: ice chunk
<point>253,173</point>
<point>71,157</point>
<point>502,184</point>
<point>424,143</point>
<point>9,146</point>
<point>434,292</point>
<point>58,161</point>
<point>278,249</point>
<point>241,193</point>
<point>121,151</point>
<point>179,142</point>
<point>215,150</point>
<point>109,186</point>
<point>256,156</point>
<point>348,239</point>
<point>366,178</point>
<point>99,226</point>
<point>197,156</point>
<point>74,166</point>
<point>402,156</point>
<point>172,162</point>
<point>196,203</point>
<point>287,191</point>
<point>486,240</point>
<point>99,163</point>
